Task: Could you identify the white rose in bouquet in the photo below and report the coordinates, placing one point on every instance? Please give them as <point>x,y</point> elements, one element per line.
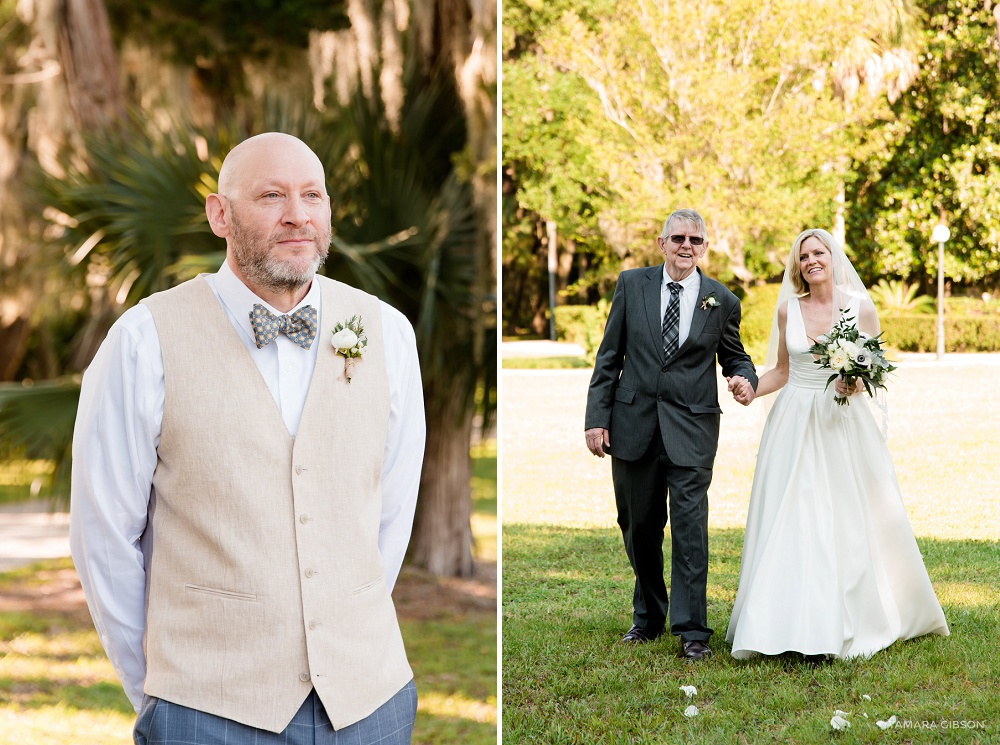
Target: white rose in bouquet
<point>850,347</point>
<point>840,360</point>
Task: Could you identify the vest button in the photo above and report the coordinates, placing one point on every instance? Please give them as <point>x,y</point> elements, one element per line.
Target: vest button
<point>299,470</point>
<point>310,572</point>
<point>313,624</point>
<point>304,519</point>
<point>304,677</point>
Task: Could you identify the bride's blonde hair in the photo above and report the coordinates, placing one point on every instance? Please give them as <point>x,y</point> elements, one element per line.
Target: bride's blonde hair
<point>794,273</point>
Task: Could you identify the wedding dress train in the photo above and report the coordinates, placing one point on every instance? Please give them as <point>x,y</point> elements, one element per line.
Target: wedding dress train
<point>830,565</point>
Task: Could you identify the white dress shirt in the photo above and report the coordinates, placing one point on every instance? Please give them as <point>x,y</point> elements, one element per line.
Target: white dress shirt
<point>689,295</point>
<point>118,430</point>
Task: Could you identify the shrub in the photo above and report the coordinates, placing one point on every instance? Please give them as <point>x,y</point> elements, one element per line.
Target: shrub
<point>583,325</point>
<point>895,296</point>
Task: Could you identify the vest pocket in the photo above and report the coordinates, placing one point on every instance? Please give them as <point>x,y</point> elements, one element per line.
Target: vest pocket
<point>367,586</point>
<point>227,594</point>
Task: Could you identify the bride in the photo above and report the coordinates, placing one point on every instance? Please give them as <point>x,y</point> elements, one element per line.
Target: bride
<point>830,565</point>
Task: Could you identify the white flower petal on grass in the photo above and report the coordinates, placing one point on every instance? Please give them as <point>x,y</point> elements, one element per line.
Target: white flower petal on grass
<point>691,711</point>
<point>840,713</point>
<point>887,724</point>
<point>839,723</point>
<point>866,697</point>
<point>690,691</point>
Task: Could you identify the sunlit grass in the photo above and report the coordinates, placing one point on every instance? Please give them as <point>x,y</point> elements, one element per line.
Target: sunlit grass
<point>942,446</point>
<point>568,586</point>
<point>22,479</point>
<point>566,679</point>
<point>454,662</point>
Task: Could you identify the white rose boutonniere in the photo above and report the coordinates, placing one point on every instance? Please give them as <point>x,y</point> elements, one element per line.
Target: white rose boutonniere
<point>709,301</point>
<point>349,341</point>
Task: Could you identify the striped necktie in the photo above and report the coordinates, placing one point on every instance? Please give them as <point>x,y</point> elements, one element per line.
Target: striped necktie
<point>671,329</point>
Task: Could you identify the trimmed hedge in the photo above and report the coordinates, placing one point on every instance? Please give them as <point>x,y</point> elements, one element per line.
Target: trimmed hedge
<point>969,326</point>
<point>917,332</point>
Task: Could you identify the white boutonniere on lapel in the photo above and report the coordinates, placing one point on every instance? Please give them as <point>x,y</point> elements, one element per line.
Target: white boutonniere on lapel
<point>709,301</point>
<point>349,341</point>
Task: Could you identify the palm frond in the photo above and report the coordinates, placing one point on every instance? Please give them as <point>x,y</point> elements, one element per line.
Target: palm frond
<point>36,423</point>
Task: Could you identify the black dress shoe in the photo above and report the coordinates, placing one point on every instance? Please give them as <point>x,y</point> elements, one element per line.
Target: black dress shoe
<point>696,650</point>
<point>638,635</point>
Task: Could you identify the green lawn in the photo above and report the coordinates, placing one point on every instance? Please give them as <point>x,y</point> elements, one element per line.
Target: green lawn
<point>568,680</point>
<point>544,363</point>
<point>58,688</point>
<point>567,586</point>
<point>23,479</point>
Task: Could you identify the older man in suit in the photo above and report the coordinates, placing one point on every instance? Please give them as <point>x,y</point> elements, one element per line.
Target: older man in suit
<point>653,406</point>
<point>244,483</point>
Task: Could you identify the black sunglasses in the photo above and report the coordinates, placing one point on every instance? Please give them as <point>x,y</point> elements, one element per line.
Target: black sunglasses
<point>696,240</point>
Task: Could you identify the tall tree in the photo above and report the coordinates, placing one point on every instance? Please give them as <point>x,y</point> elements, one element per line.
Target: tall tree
<point>936,158</point>
<point>880,59</point>
<point>417,205</point>
<point>385,38</point>
<point>723,106</point>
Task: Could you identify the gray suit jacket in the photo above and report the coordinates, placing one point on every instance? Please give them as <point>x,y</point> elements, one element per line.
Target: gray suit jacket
<point>634,394</point>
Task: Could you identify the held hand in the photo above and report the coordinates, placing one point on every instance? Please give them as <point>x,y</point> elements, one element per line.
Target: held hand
<point>741,389</point>
<point>597,439</point>
<point>844,390</point>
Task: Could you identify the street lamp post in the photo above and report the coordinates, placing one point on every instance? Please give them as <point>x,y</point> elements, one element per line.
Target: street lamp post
<point>939,236</point>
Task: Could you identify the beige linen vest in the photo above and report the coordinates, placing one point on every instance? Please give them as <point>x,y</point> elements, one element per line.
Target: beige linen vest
<point>265,578</point>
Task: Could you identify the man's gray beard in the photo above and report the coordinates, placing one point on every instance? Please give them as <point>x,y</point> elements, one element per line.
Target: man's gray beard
<point>262,269</point>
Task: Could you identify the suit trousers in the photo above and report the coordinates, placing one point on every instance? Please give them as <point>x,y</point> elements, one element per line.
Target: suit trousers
<point>163,723</point>
<point>644,489</point>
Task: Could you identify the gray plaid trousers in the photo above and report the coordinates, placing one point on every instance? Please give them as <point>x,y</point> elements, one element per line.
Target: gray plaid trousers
<point>163,723</point>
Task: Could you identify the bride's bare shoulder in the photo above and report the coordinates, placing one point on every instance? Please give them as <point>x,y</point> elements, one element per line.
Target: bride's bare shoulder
<point>868,316</point>
<point>783,311</point>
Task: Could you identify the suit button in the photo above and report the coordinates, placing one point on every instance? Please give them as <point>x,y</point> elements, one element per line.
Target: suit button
<point>304,677</point>
<point>659,398</point>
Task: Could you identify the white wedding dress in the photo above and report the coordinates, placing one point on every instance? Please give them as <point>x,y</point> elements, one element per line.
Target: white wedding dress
<point>830,565</point>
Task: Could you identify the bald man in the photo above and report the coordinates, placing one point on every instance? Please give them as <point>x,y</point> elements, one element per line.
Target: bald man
<point>244,483</point>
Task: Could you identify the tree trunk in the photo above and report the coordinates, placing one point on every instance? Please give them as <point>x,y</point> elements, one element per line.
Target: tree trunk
<point>566,263</point>
<point>996,18</point>
<point>90,64</point>
<point>87,95</point>
<point>442,530</point>
<point>551,231</point>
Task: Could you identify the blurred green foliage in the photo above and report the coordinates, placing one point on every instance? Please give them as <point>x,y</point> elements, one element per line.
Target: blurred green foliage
<point>938,157</point>
<point>886,112</point>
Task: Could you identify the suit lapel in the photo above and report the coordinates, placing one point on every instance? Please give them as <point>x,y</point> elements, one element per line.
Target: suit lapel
<point>700,314</point>
<point>651,296</point>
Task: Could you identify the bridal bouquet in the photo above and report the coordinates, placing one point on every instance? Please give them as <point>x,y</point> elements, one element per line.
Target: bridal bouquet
<point>852,355</point>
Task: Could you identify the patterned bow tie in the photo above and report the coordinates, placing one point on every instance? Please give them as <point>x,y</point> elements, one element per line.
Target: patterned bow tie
<point>300,326</point>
